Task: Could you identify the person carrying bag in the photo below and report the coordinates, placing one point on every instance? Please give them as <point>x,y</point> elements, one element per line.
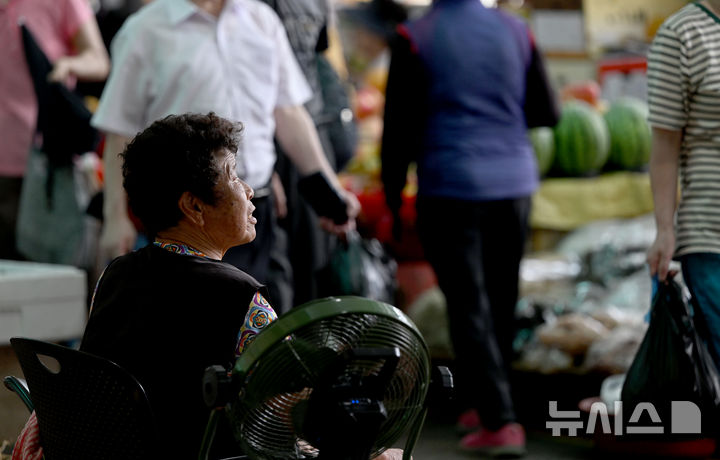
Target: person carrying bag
<point>673,363</point>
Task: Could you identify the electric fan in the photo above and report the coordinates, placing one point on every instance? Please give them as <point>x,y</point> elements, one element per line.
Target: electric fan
<point>336,378</point>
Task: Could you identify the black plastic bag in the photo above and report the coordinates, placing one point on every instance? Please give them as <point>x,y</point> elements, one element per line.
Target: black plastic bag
<point>63,119</point>
<point>361,267</point>
<point>673,363</point>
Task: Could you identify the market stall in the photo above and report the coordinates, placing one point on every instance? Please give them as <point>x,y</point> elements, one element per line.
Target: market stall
<point>585,289</point>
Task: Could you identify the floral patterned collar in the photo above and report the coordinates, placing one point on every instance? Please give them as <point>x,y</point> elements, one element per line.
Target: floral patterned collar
<point>179,248</point>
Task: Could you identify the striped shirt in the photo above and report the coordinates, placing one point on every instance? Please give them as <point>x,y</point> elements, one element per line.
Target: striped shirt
<point>684,95</point>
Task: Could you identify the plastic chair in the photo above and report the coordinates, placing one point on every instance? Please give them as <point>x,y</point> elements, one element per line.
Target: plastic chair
<point>88,408</point>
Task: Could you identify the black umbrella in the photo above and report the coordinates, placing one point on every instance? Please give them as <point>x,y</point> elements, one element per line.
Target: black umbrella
<point>63,119</point>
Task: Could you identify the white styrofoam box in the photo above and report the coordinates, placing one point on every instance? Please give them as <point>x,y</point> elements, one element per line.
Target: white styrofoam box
<point>41,301</point>
<point>10,324</point>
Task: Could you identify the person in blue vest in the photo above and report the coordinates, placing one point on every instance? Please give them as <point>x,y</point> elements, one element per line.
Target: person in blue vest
<point>465,83</point>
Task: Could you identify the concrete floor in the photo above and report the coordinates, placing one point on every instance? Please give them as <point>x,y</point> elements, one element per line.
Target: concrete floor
<point>438,441</point>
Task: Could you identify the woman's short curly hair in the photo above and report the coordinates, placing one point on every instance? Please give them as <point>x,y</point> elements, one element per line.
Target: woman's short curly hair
<point>174,155</point>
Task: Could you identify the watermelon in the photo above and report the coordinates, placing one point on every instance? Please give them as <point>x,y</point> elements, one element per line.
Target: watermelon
<point>630,134</point>
<point>543,143</point>
<point>582,141</point>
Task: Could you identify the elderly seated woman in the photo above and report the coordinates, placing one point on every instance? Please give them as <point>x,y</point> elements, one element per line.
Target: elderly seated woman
<point>172,308</point>
<point>169,310</point>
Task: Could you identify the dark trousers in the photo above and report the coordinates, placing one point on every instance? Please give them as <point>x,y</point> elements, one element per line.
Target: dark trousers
<point>254,258</point>
<point>308,247</point>
<point>700,273</point>
<point>475,249</point>
<point>9,205</point>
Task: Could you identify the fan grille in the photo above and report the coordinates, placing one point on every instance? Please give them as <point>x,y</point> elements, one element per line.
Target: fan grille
<point>266,414</point>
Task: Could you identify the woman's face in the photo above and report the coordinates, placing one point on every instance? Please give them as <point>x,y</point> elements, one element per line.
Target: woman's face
<point>230,221</point>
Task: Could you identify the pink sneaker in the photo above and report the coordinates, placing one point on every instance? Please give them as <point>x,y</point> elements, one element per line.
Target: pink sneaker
<point>508,441</point>
<point>468,422</point>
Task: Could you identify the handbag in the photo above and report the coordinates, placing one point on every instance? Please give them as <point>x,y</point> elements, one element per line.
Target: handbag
<point>51,221</point>
<point>673,363</point>
<point>362,267</point>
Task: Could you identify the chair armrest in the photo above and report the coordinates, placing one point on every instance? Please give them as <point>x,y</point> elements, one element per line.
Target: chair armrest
<point>19,386</point>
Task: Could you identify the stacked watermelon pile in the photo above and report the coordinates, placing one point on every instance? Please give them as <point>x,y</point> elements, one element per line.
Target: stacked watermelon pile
<point>582,142</point>
<point>630,135</point>
<point>586,141</point>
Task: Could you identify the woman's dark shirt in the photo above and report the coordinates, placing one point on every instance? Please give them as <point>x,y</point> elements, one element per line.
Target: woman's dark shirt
<point>165,317</point>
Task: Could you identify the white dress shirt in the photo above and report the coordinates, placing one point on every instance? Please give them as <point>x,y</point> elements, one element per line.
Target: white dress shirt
<point>172,57</point>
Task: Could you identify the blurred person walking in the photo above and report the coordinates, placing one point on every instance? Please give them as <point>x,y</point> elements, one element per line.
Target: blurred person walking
<point>67,32</point>
<point>295,261</point>
<point>684,102</point>
<point>465,83</point>
<point>227,56</point>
